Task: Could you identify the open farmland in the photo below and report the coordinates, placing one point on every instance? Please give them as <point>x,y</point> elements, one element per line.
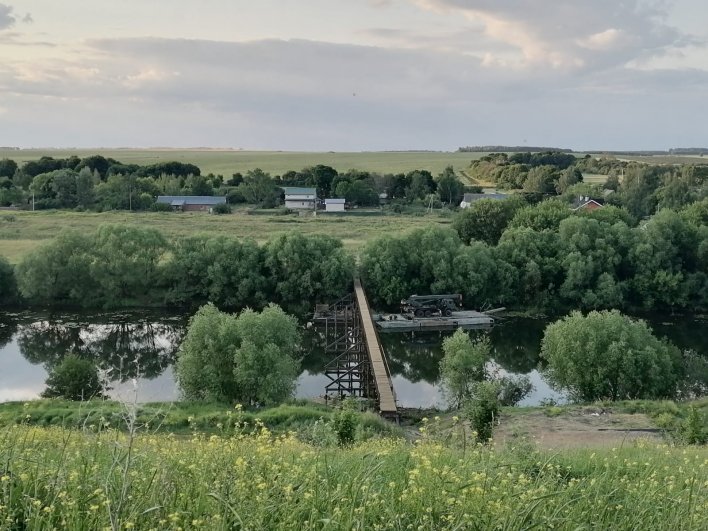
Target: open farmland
<point>228,162</point>
<point>20,232</point>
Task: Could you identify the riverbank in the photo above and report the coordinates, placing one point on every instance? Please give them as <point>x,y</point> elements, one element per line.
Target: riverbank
<point>64,478</point>
<point>601,424</point>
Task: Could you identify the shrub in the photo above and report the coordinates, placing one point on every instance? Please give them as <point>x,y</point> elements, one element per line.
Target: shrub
<point>483,409</point>
<point>693,430</point>
<point>74,378</point>
<point>161,207</point>
<point>607,355</point>
<point>463,365</point>
<point>223,208</point>
<point>345,423</point>
<point>249,358</point>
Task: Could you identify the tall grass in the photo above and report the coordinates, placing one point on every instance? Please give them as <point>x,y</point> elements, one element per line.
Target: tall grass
<point>72,479</point>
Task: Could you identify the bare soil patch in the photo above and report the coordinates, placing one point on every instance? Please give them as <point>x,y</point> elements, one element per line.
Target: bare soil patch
<point>586,427</point>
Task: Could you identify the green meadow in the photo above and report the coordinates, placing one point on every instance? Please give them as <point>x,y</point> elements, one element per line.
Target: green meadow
<point>228,162</point>
<point>22,231</point>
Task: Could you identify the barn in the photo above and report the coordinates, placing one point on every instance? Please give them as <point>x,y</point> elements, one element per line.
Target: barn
<point>191,203</point>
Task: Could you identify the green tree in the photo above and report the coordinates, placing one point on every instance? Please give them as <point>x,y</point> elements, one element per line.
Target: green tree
<point>59,271</point>
<point>249,358</point>
<point>357,192</point>
<point>664,258</point>
<point>126,263</point>
<point>74,378</point>
<point>226,271</point>
<point>421,184</point>
<point>608,356</point>
<point>207,357</point>
<point>64,187</point>
<point>198,185</point>
<point>266,366</point>
<point>321,177</point>
<point>485,220</point>
<point>118,192</point>
<point>533,263</point>
<point>84,188</point>
<point>420,262</point>
<point>463,365</point>
<point>546,215</point>
<point>593,256</point>
<point>308,269</point>
<point>259,188</point>
<point>541,180</point>
<point>568,177</point>
<point>450,188</point>
<point>8,167</point>
<point>638,190</point>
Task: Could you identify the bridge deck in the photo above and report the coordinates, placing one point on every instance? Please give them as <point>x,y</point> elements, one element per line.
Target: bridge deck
<point>384,386</point>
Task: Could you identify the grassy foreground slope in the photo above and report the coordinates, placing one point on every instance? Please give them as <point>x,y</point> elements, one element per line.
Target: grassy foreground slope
<point>71,479</point>
<point>228,162</point>
<point>20,232</point>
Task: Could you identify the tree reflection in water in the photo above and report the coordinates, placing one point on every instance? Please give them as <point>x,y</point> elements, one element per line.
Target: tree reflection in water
<point>8,328</point>
<point>129,346</point>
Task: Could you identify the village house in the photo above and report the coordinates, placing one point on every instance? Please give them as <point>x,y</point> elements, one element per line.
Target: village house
<point>298,198</point>
<point>585,203</point>
<point>191,203</point>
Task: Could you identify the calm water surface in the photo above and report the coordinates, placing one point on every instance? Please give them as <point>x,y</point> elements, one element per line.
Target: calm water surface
<point>138,349</point>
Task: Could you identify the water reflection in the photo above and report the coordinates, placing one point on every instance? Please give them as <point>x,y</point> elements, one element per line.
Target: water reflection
<point>133,349</point>
<point>140,349</point>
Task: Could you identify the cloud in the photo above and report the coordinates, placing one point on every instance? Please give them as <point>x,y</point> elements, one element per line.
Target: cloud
<point>573,34</point>
<point>299,94</point>
<point>7,19</point>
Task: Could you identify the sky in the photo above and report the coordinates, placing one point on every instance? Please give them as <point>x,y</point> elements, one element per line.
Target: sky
<point>354,75</point>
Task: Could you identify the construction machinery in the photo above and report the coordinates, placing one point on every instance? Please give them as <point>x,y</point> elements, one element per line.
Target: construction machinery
<point>431,305</point>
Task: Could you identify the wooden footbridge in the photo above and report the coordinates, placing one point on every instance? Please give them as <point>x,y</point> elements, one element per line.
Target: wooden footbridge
<point>360,367</point>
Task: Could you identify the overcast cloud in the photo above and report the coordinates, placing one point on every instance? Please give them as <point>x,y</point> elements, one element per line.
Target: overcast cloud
<point>399,74</point>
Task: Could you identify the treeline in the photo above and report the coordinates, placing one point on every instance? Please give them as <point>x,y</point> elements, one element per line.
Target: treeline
<point>510,149</point>
<point>546,257</point>
<point>99,183</point>
<point>122,266</point>
<point>502,253</point>
<point>640,188</point>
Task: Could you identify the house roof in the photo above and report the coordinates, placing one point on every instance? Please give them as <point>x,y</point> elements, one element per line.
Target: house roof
<point>334,201</point>
<point>579,205</point>
<point>181,200</point>
<point>297,190</point>
<point>469,198</point>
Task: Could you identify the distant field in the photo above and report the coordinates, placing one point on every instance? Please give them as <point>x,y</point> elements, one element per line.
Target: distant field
<point>594,178</point>
<point>275,162</point>
<point>20,232</point>
<point>661,159</point>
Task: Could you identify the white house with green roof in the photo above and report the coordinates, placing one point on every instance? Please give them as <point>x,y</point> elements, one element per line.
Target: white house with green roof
<point>299,198</point>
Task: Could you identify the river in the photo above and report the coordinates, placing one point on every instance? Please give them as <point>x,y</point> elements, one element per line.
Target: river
<point>138,350</point>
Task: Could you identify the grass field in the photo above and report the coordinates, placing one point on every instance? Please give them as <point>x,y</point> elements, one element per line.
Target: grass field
<point>57,478</point>
<point>20,232</point>
<point>226,162</point>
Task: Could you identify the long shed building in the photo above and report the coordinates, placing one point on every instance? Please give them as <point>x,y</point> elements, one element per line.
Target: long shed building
<point>191,203</point>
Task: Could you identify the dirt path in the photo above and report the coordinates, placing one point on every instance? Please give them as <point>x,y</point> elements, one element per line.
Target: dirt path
<point>582,428</point>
